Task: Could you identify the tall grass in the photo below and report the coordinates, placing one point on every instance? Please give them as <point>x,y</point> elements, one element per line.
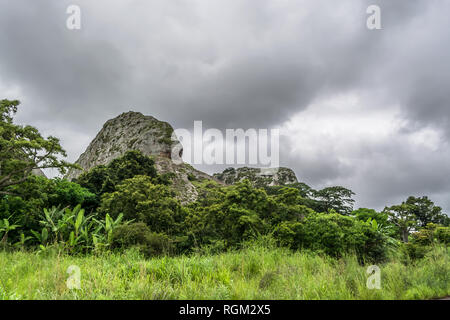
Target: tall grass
<point>255,272</point>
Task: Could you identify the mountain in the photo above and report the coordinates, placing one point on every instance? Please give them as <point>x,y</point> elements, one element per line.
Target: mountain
<point>128,131</point>
<point>135,131</point>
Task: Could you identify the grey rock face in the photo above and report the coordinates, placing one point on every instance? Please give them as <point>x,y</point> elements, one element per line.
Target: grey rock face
<point>135,131</point>
<point>128,131</point>
<point>259,177</point>
<point>186,179</point>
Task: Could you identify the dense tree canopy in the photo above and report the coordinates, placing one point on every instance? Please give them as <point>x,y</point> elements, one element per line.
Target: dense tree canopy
<point>426,211</point>
<point>413,214</point>
<point>102,179</point>
<point>337,198</point>
<point>23,149</point>
<point>140,200</point>
<point>404,218</point>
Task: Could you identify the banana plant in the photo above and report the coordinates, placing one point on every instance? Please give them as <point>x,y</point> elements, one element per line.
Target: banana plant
<point>5,228</point>
<point>374,224</point>
<point>380,227</point>
<point>57,221</point>
<point>75,237</point>
<point>385,230</point>
<point>41,237</point>
<point>75,230</point>
<point>109,225</point>
<point>22,241</point>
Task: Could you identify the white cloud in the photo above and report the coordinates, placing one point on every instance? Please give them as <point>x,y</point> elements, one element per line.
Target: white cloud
<point>367,148</point>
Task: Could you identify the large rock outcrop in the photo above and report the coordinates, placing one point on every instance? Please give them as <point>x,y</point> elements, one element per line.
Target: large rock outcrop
<point>135,131</point>
<point>259,177</point>
<point>128,131</point>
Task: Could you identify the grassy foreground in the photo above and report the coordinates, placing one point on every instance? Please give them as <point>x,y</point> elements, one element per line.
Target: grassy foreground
<point>253,273</point>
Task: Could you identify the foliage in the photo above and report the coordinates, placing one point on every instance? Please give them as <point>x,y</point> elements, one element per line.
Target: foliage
<point>23,149</point>
<point>403,217</point>
<point>333,234</point>
<point>364,214</point>
<point>75,231</point>
<point>431,234</point>
<point>141,200</point>
<point>414,214</point>
<point>238,213</point>
<point>102,179</point>
<point>138,235</point>
<point>337,198</point>
<point>5,228</point>
<point>381,219</point>
<point>37,193</point>
<point>413,251</point>
<point>426,211</point>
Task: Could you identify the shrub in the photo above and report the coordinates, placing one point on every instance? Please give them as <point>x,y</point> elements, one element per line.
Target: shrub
<point>70,230</point>
<point>415,251</point>
<point>442,234</point>
<point>104,178</point>
<point>236,214</point>
<point>364,214</point>
<point>141,200</point>
<point>332,234</point>
<point>432,233</point>
<point>130,235</point>
<point>288,234</point>
<point>138,235</point>
<point>37,193</point>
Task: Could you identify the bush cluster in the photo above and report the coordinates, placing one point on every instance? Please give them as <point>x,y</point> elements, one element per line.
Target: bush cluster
<point>128,204</point>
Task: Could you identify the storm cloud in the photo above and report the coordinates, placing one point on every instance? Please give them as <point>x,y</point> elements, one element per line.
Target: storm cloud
<point>367,109</point>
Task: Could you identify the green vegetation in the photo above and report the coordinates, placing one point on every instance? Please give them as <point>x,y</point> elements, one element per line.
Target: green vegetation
<point>255,272</point>
<point>23,149</point>
<point>122,224</point>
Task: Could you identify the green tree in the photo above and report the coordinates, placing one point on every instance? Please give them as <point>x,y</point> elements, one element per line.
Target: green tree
<point>289,205</point>
<point>138,235</point>
<point>239,213</point>
<point>333,234</point>
<point>23,149</point>
<point>141,200</point>
<point>37,193</point>
<point>403,217</point>
<point>426,211</point>
<point>364,214</point>
<point>305,190</point>
<point>336,198</point>
<point>104,178</point>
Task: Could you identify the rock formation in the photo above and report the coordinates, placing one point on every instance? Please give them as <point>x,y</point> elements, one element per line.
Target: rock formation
<point>259,177</point>
<point>128,131</point>
<point>135,131</point>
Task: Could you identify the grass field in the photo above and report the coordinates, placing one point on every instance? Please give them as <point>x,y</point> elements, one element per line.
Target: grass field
<point>253,273</point>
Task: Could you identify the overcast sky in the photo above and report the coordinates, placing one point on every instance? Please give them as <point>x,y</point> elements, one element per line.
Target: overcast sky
<point>365,109</point>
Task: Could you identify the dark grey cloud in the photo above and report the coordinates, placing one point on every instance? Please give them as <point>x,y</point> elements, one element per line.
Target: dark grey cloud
<point>245,64</point>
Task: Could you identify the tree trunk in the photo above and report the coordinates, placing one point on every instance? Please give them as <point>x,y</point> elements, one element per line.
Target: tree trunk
<point>405,234</point>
